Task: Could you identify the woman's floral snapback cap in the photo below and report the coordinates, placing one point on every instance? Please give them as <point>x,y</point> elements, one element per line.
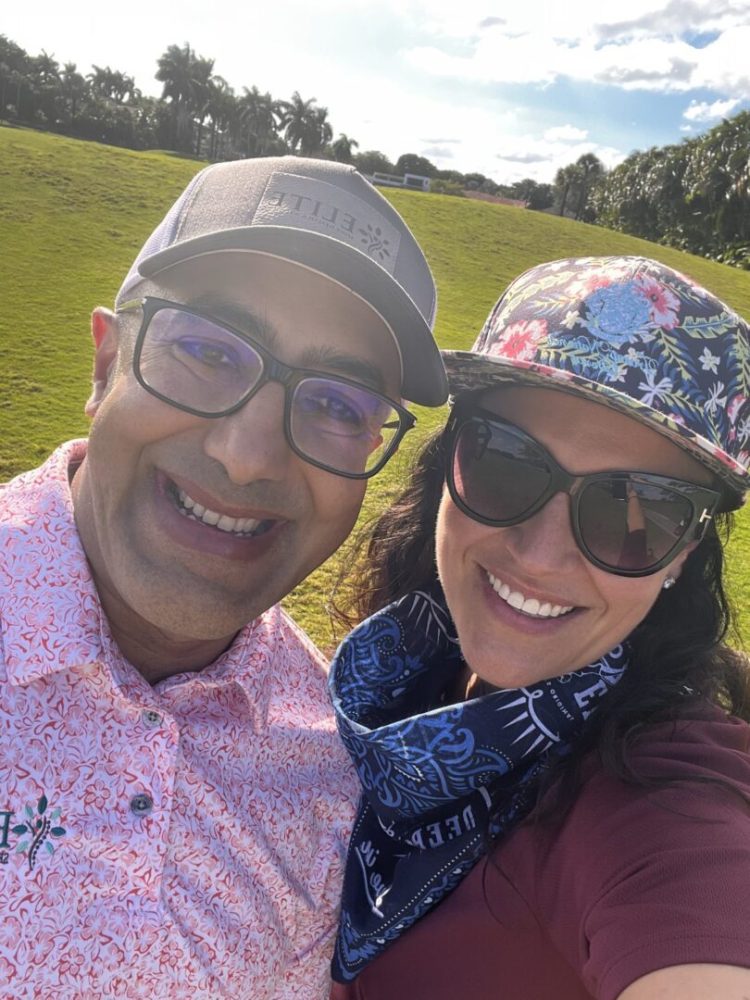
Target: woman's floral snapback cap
<point>634,334</point>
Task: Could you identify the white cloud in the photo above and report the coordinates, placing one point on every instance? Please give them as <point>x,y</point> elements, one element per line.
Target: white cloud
<point>565,133</point>
<point>675,17</point>
<point>472,18</point>
<point>702,111</point>
<point>644,45</point>
<point>520,156</point>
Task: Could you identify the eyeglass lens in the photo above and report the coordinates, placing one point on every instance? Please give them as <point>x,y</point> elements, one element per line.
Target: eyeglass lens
<point>205,367</point>
<point>625,522</point>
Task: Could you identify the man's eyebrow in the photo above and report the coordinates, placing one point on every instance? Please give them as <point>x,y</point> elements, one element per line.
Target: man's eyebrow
<point>327,359</point>
<point>240,318</point>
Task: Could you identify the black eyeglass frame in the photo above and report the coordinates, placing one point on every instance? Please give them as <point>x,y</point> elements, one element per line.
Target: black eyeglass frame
<point>272,370</point>
<point>702,500</point>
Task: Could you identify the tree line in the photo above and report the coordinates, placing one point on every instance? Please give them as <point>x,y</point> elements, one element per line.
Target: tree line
<point>694,195</point>
<point>200,114</point>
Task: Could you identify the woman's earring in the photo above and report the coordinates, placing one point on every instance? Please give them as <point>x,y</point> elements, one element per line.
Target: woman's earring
<point>668,582</point>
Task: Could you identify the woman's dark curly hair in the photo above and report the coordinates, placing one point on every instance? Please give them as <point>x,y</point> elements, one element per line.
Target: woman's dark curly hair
<point>679,655</point>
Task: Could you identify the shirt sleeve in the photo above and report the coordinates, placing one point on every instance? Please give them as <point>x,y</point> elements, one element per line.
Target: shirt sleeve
<point>638,880</point>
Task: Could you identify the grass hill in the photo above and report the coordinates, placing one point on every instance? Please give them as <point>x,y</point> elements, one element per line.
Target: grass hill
<point>74,214</point>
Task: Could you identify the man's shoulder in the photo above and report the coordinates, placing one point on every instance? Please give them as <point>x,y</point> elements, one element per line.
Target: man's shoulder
<point>295,671</point>
<point>33,491</point>
<point>284,638</point>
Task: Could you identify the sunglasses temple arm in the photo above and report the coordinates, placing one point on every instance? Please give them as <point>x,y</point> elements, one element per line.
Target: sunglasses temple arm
<point>703,522</point>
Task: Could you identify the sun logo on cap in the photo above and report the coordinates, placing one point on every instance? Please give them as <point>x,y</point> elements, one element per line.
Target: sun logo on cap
<point>374,241</point>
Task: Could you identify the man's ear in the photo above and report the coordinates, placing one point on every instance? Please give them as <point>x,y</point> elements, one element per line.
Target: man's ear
<point>106,335</point>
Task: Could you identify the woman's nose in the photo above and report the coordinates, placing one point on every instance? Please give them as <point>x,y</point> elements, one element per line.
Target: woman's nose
<point>545,542</point>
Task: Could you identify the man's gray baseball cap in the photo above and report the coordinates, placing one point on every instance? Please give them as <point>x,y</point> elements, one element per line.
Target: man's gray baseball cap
<point>323,215</point>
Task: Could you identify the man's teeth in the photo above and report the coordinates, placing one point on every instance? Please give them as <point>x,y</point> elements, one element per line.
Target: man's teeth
<point>234,525</point>
<point>528,605</point>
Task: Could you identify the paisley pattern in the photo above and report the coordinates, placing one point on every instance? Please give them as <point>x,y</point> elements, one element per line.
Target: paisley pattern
<point>630,332</point>
<point>181,841</point>
<point>437,778</point>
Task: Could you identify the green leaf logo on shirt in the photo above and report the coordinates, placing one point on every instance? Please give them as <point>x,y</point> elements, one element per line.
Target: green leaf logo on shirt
<point>37,830</point>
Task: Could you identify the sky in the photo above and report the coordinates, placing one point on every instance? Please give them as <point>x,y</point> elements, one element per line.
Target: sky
<point>511,88</point>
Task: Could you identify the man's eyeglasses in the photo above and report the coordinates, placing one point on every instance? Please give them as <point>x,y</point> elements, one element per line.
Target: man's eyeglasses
<point>205,367</point>
<point>627,523</point>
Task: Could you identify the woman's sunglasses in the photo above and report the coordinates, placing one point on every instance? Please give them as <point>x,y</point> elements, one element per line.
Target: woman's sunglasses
<point>627,523</point>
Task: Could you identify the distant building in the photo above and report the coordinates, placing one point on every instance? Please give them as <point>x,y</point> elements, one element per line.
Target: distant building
<point>414,181</point>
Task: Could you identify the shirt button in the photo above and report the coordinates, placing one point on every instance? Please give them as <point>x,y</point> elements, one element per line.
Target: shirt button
<point>141,805</point>
<point>150,718</point>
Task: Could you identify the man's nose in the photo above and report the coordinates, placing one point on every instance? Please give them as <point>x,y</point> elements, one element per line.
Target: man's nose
<point>251,444</point>
<point>545,542</point>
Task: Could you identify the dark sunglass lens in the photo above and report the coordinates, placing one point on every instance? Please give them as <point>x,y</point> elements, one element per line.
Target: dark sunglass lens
<point>344,427</point>
<point>498,473</point>
<point>630,524</point>
<point>197,363</point>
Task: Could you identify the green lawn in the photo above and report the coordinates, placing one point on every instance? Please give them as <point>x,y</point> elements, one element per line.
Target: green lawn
<point>73,215</point>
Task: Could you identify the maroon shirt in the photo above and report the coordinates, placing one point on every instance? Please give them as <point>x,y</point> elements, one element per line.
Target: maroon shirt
<point>633,881</point>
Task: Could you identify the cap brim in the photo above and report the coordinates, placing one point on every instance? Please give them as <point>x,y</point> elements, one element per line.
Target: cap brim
<point>424,379</point>
<point>469,372</point>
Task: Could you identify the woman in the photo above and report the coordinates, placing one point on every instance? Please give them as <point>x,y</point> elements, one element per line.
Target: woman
<point>547,726</point>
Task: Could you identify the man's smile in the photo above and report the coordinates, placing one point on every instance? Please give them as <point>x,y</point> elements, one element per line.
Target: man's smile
<point>206,524</point>
<point>245,527</point>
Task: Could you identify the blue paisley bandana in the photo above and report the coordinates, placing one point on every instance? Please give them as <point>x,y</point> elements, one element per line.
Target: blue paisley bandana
<point>439,779</point>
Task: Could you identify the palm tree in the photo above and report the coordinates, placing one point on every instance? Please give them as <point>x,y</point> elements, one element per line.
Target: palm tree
<point>112,84</point>
<point>47,69</point>
<point>319,134</point>
<point>256,122</point>
<point>589,169</point>
<point>46,75</point>
<point>201,94</point>
<point>185,77</point>
<point>565,178</point>
<point>14,70</point>
<point>717,178</point>
<point>20,80</point>
<point>305,126</point>
<point>221,107</point>
<point>73,89</point>
<point>342,148</point>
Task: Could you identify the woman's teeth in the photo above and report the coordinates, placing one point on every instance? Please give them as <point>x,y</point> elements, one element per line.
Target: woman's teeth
<point>527,605</point>
<point>233,525</point>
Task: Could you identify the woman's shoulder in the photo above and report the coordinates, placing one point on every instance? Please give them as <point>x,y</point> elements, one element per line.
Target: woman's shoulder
<point>701,745</point>
<point>689,811</point>
<point>691,797</point>
<point>638,876</point>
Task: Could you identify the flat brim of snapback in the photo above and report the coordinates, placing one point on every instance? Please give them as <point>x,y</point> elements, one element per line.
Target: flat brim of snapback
<point>424,379</point>
<point>469,372</point>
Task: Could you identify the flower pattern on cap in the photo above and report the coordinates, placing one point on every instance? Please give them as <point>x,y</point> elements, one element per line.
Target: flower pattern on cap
<point>631,330</point>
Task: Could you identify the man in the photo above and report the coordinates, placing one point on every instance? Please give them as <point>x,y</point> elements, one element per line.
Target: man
<point>175,800</point>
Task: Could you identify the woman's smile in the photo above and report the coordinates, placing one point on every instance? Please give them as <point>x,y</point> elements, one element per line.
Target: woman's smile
<point>529,606</point>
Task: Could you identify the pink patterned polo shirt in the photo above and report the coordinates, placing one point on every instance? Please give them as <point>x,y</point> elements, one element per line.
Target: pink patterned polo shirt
<point>178,841</point>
